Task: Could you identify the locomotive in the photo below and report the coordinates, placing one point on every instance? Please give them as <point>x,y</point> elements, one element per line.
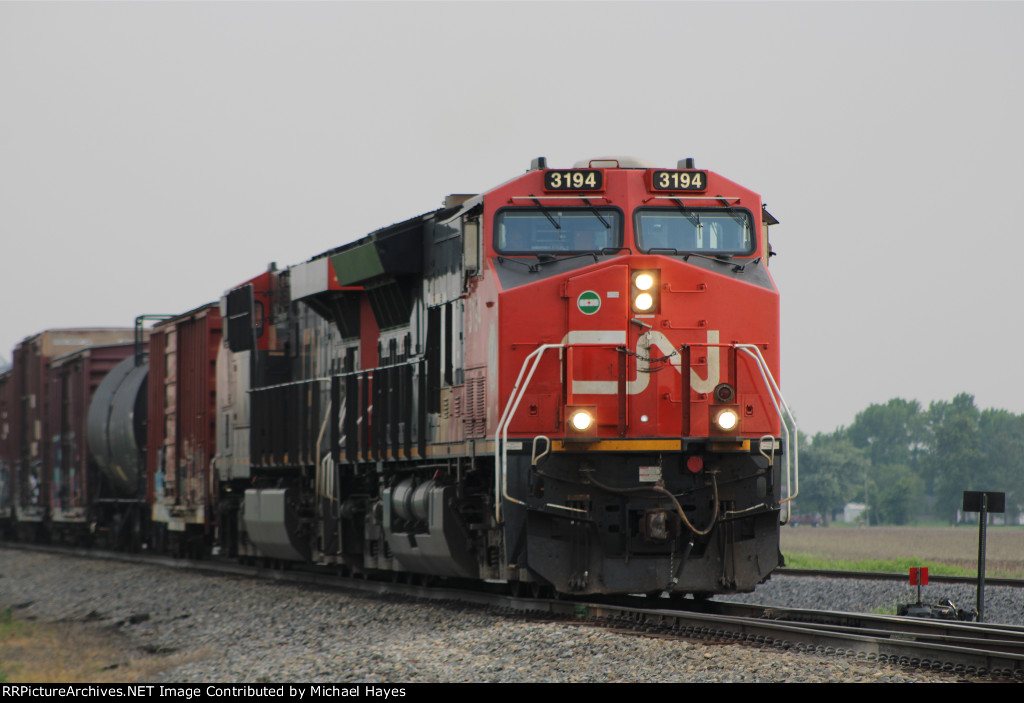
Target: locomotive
<point>568,383</point>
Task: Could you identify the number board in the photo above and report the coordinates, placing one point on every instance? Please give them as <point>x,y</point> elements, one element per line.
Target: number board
<point>679,180</point>
<point>576,179</point>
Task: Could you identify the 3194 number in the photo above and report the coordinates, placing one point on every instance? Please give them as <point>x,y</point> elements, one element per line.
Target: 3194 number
<point>679,180</point>
<point>586,179</point>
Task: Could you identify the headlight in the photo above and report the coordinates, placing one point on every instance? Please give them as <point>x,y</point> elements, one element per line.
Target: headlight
<point>643,294</point>
<point>727,420</point>
<point>581,420</point>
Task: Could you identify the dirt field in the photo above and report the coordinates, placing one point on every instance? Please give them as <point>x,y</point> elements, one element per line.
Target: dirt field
<point>928,546</point>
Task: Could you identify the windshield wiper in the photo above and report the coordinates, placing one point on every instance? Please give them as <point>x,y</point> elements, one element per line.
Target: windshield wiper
<point>545,212</point>
<point>737,217</point>
<point>694,219</point>
<point>597,214</point>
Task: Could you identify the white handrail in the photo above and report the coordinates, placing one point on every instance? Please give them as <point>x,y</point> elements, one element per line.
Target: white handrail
<point>792,478</point>
<point>501,432</point>
<point>532,361</point>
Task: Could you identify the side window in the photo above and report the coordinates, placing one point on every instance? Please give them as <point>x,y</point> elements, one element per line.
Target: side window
<point>471,246</point>
<point>257,320</point>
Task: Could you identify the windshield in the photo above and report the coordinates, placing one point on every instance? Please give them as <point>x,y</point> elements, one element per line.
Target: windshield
<point>695,231</point>
<point>551,230</point>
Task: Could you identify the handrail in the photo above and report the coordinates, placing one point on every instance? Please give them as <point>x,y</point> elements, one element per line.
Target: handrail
<point>324,475</point>
<point>532,361</point>
<point>792,479</point>
<point>501,432</point>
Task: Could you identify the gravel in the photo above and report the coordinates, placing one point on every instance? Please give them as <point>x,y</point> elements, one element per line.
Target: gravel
<point>217,629</point>
<point>1003,604</point>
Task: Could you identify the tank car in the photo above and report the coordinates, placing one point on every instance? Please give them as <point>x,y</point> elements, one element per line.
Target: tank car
<point>115,432</point>
<point>568,382</point>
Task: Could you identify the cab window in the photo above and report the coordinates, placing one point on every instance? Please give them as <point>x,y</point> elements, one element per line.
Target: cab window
<point>697,231</point>
<point>567,230</point>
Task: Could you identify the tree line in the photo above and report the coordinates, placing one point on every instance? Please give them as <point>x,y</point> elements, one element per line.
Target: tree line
<point>907,463</point>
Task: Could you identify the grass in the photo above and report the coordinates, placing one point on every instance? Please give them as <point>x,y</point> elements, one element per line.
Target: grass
<point>7,624</point>
<point>34,652</point>
<point>899,566</point>
<point>944,550</point>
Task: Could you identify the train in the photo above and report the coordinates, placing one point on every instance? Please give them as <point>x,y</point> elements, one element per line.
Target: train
<point>567,384</point>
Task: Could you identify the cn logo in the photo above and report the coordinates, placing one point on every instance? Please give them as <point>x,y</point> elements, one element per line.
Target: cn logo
<point>650,343</point>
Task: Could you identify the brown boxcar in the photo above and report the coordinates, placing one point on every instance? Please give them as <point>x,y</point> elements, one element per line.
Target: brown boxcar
<point>74,478</point>
<point>31,485</point>
<point>8,449</point>
<point>182,429</point>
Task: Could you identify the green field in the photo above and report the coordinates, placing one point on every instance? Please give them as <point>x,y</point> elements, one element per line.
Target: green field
<point>944,550</point>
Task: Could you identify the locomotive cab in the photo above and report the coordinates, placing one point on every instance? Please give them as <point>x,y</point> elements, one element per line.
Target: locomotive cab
<point>640,447</point>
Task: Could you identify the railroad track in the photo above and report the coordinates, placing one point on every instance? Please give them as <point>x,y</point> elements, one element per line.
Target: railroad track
<point>969,649</point>
<point>893,576</point>
<point>975,649</point>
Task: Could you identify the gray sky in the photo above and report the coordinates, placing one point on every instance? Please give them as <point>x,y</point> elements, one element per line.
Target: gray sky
<point>153,155</point>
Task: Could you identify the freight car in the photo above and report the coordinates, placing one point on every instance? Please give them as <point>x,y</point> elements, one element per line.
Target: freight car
<point>43,398</point>
<point>567,383</point>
